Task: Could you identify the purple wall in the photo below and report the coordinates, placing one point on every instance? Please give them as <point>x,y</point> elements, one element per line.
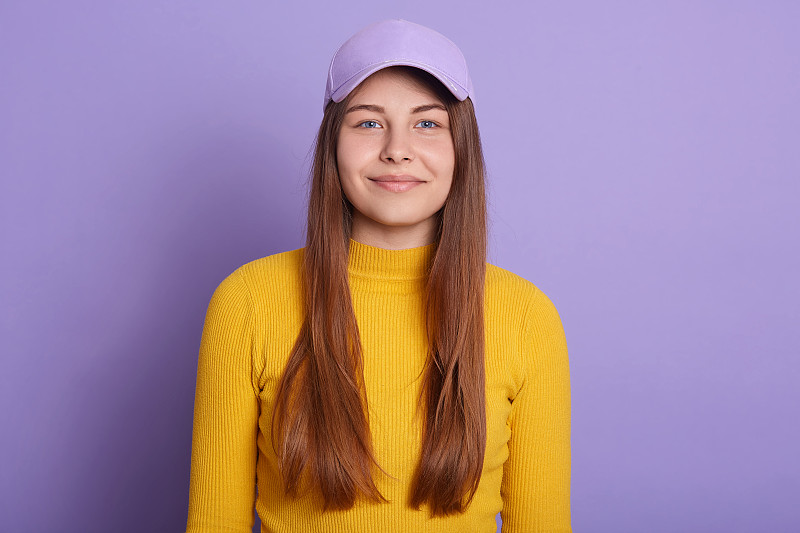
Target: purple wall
<point>644,169</point>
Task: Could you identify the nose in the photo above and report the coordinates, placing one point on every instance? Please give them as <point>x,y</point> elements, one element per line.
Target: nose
<point>398,147</point>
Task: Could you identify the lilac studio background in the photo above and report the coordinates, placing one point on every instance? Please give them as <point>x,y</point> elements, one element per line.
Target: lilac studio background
<point>644,170</point>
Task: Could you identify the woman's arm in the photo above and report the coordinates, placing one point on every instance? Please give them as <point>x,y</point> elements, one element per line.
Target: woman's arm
<point>536,476</point>
<point>224,452</point>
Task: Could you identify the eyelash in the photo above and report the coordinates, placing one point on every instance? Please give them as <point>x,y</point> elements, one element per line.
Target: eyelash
<point>435,124</point>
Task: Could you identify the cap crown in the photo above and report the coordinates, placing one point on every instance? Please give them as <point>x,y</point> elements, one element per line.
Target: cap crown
<point>396,42</point>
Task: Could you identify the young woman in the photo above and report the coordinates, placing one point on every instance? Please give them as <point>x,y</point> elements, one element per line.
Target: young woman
<point>385,377</point>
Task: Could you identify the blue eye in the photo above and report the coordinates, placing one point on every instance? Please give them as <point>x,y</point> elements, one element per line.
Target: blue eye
<point>371,124</point>
<point>427,124</point>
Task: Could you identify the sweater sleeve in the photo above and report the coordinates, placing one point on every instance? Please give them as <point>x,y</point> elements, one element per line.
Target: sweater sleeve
<point>226,409</point>
<point>536,475</point>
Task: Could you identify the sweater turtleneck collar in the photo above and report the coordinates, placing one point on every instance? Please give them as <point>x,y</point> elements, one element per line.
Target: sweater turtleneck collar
<point>383,264</point>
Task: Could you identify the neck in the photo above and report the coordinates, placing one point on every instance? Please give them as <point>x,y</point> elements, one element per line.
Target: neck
<point>367,231</point>
<point>367,262</point>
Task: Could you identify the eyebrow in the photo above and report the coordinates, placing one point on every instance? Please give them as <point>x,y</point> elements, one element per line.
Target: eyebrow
<point>379,109</point>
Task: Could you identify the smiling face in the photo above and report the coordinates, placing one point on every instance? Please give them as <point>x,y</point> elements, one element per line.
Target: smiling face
<point>395,158</point>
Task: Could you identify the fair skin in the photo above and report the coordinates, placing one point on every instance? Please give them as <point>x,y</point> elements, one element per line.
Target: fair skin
<point>396,158</point>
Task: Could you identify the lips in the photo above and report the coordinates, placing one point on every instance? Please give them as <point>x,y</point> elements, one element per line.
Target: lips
<point>396,183</point>
<point>391,178</point>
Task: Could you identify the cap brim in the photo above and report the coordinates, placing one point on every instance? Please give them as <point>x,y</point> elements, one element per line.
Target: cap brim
<point>456,89</point>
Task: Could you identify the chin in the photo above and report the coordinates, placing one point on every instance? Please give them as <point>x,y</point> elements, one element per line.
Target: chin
<point>400,219</point>
<point>399,223</point>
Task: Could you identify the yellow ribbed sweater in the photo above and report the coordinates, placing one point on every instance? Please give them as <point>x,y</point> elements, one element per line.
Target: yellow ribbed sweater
<point>252,322</point>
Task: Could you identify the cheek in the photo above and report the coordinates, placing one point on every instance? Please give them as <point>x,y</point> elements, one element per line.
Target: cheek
<point>444,192</point>
<point>347,164</point>
<point>351,155</point>
<point>342,156</point>
<point>442,160</point>
<point>448,165</point>
<point>443,151</point>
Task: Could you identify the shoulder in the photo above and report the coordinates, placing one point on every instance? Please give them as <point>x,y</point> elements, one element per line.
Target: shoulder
<point>510,293</point>
<point>512,299</point>
<point>276,267</point>
<point>502,281</point>
<point>264,278</point>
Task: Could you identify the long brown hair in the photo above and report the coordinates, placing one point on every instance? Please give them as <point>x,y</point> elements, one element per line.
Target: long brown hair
<point>320,425</point>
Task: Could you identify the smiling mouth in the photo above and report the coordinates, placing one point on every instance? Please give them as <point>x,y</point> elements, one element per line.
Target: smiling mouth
<point>396,183</point>
<point>396,179</point>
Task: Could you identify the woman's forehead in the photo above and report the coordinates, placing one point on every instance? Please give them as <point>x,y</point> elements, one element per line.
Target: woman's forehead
<point>394,80</point>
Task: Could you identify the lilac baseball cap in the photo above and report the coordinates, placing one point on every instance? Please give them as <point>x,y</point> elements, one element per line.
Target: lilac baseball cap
<point>396,42</point>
